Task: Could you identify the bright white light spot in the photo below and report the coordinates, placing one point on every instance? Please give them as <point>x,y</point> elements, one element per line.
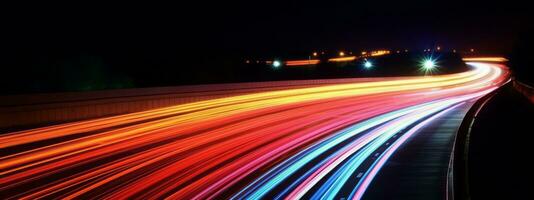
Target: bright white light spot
<point>429,64</point>
<point>368,64</point>
<point>277,63</point>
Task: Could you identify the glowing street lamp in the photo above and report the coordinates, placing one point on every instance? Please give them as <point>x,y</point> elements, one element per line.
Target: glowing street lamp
<point>429,64</point>
<point>277,64</point>
<point>368,64</point>
<point>341,53</point>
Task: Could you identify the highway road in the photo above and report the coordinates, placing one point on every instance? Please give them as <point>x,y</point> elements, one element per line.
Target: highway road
<point>322,142</point>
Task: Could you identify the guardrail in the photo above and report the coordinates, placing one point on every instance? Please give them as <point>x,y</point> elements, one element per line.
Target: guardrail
<point>524,89</point>
<point>457,174</point>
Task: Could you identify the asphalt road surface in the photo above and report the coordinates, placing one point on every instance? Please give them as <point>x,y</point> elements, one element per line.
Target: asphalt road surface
<point>500,147</point>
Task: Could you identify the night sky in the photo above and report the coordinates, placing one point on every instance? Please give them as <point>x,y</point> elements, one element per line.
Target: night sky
<point>274,26</point>
<point>126,39</point>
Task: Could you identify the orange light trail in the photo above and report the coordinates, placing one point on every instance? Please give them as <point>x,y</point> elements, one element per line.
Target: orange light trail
<point>379,52</point>
<point>342,59</point>
<point>485,59</point>
<point>302,62</point>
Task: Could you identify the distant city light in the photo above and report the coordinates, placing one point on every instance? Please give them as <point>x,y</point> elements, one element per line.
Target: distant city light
<point>314,53</point>
<point>380,52</point>
<point>276,63</point>
<point>341,53</point>
<point>438,48</point>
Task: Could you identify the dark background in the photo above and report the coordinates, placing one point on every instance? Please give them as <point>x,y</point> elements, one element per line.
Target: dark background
<point>93,46</point>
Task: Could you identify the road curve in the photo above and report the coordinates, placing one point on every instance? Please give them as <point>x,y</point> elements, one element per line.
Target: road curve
<point>311,142</point>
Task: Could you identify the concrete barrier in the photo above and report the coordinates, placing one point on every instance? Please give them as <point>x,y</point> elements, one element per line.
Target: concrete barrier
<point>44,109</point>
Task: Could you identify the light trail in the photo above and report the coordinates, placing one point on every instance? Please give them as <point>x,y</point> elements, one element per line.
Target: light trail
<point>289,143</point>
<point>359,190</point>
<point>380,52</point>
<point>485,59</point>
<point>302,62</point>
<point>342,59</point>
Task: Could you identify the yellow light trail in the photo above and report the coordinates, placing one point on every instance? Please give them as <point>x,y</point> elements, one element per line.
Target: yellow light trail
<point>302,62</point>
<point>485,59</point>
<point>342,59</point>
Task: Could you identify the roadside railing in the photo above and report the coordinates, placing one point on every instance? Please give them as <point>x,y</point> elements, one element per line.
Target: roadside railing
<point>524,89</point>
<point>457,173</point>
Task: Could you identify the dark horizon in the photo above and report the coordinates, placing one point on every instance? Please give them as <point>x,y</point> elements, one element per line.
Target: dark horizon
<point>122,41</point>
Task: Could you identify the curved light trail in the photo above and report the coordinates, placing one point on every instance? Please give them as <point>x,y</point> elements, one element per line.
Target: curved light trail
<point>485,59</point>
<point>291,143</point>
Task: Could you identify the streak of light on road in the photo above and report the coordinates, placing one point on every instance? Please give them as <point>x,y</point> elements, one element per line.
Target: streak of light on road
<point>485,59</point>
<point>303,142</point>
